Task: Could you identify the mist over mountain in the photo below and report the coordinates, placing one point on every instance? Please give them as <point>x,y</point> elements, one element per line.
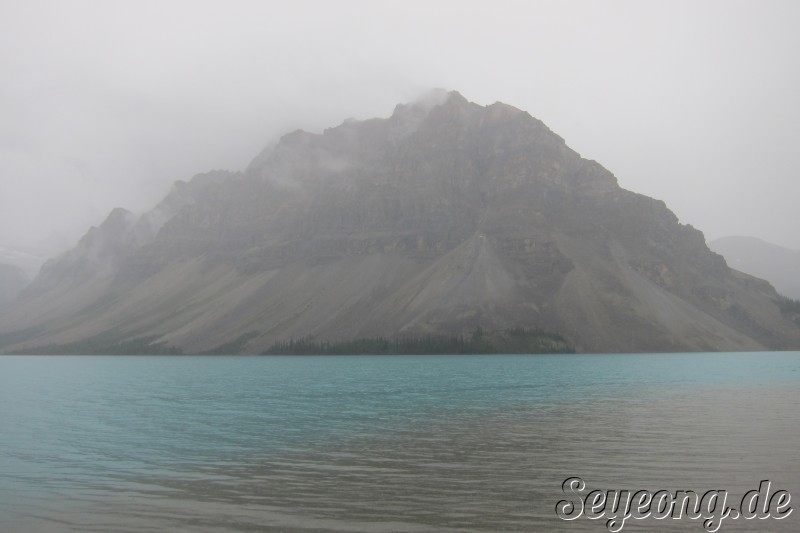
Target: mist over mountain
<point>776,264</point>
<point>445,218</point>
<point>26,259</point>
<point>12,280</point>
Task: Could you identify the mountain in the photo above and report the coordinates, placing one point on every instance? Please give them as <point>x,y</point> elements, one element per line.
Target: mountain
<point>447,218</point>
<point>780,266</point>
<point>12,280</point>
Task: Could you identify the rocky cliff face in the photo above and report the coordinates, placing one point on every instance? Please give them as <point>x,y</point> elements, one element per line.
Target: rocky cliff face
<point>443,217</point>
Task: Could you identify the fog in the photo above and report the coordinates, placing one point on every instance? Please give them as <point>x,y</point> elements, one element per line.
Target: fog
<point>105,104</point>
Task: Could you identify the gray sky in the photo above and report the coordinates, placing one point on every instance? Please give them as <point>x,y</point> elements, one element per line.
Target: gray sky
<point>106,103</point>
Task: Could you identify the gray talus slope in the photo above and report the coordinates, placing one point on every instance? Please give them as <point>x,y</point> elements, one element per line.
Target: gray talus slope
<point>435,221</point>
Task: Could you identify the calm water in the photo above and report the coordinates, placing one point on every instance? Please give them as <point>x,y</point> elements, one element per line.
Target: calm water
<point>405,443</point>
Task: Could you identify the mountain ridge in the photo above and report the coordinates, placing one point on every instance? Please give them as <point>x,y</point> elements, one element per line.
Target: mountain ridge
<point>777,264</point>
<point>445,217</point>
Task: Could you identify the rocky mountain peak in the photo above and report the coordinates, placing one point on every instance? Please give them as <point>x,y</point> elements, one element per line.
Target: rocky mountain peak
<point>445,217</point>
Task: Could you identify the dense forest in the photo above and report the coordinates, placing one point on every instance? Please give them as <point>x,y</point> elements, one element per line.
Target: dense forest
<point>510,341</point>
<point>790,309</point>
<point>517,340</point>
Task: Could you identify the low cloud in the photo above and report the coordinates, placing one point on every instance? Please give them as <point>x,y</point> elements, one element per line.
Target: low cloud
<point>106,104</point>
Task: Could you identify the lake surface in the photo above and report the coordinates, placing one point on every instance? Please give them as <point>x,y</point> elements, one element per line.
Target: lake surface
<point>392,443</point>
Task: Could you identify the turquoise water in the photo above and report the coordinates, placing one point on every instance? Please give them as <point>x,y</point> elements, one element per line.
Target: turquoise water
<point>392,443</point>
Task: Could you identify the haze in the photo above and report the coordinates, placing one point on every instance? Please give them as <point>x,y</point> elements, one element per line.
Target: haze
<point>105,104</point>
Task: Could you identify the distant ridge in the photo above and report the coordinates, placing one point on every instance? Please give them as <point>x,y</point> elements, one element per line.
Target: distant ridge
<point>442,219</point>
<point>776,264</point>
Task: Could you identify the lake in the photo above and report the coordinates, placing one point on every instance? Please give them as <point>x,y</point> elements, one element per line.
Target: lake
<point>390,443</point>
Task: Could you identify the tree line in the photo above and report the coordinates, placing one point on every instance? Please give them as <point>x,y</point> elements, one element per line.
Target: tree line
<point>516,340</point>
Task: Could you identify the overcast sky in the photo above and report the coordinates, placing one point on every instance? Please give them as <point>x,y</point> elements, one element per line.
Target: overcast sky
<point>106,103</point>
